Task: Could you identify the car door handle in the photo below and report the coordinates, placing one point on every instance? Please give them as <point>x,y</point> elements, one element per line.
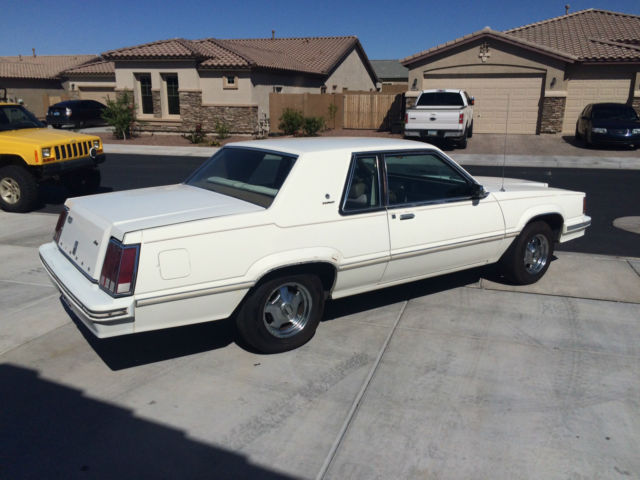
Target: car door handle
<point>407,216</point>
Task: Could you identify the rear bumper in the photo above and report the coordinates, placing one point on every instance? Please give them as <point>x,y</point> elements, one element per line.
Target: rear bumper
<point>103,315</point>
<point>434,134</point>
<point>575,228</point>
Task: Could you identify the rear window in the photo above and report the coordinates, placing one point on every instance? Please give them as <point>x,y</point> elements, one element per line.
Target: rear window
<point>440,98</point>
<point>614,112</point>
<point>251,175</point>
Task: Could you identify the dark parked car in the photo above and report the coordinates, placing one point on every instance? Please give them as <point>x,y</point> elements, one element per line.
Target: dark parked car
<point>609,123</point>
<point>79,113</point>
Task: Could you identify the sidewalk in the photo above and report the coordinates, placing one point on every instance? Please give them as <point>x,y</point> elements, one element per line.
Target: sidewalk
<point>545,151</point>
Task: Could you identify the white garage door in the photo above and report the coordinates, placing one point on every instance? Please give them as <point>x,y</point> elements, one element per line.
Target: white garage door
<point>97,93</point>
<point>493,94</point>
<point>582,91</point>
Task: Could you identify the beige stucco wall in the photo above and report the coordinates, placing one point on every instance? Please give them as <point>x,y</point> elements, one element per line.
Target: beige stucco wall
<point>350,74</point>
<point>214,92</point>
<point>502,58</point>
<point>102,87</point>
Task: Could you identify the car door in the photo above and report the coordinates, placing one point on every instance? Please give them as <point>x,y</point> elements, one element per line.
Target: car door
<point>435,223</point>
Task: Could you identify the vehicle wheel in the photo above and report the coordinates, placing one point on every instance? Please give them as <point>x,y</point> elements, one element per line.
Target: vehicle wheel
<point>577,134</point>
<point>55,126</point>
<point>470,134</point>
<point>18,189</point>
<point>529,256</point>
<point>282,313</point>
<point>83,182</point>
<point>463,142</point>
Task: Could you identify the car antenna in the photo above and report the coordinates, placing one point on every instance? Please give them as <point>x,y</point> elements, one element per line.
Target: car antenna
<point>504,150</point>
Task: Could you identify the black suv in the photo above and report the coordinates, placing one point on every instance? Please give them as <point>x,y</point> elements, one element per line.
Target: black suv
<point>78,113</point>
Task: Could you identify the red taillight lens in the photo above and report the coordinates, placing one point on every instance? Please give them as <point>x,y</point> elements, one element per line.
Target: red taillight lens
<point>584,205</point>
<point>461,118</point>
<point>119,269</point>
<point>61,219</point>
<point>406,118</point>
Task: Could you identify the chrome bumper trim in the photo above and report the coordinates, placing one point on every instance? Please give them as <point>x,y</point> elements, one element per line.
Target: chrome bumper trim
<point>579,226</point>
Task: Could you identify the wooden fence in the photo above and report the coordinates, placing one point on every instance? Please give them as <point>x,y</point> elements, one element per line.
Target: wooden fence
<point>365,110</point>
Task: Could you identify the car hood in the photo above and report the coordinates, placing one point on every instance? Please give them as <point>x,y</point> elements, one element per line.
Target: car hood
<point>94,219</point>
<point>498,184</point>
<point>43,136</point>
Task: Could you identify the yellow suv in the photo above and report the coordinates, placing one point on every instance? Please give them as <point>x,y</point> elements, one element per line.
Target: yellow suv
<point>30,153</point>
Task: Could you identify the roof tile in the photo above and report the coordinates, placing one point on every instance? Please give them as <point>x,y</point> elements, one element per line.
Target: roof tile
<point>41,66</point>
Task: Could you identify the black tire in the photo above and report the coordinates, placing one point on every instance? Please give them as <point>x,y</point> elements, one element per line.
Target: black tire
<point>462,143</point>
<point>529,256</point>
<point>577,134</point>
<point>83,181</point>
<point>18,189</point>
<point>56,126</point>
<point>470,134</point>
<point>273,324</point>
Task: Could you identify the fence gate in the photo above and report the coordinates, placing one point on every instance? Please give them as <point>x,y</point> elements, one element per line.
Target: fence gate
<point>371,111</point>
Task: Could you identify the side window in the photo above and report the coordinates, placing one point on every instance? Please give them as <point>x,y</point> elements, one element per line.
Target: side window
<point>423,177</point>
<point>363,186</point>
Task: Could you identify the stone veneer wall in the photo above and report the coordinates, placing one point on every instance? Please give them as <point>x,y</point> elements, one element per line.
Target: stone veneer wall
<point>157,108</point>
<point>239,119</point>
<point>552,114</point>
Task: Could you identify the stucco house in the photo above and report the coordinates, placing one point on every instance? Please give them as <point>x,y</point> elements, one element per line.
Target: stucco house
<point>36,79</point>
<point>537,78</point>
<point>178,83</point>
<point>92,81</point>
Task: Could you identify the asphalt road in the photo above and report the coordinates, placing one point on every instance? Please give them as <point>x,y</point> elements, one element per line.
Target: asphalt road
<point>610,193</point>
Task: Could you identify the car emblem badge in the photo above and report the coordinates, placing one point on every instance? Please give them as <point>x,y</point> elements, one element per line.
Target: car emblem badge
<point>75,248</point>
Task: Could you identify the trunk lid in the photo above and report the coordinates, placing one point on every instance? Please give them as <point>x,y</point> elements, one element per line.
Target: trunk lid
<point>94,219</point>
<point>437,118</point>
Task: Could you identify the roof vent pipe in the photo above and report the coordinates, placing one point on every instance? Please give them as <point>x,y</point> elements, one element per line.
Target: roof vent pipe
<point>273,34</point>
<point>566,9</point>
<point>34,52</point>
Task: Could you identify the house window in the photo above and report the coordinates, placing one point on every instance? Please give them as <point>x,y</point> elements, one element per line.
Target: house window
<point>230,82</point>
<point>146,99</point>
<point>173,99</point>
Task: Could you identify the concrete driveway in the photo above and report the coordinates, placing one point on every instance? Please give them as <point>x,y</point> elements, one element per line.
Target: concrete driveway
<point>457,377</point>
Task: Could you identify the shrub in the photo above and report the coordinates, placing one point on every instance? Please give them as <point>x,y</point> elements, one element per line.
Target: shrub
<point>312,125</point>
<point>222,130</point>
<point>121,114</point>
<point>291,121</point>
<point>196,135</point>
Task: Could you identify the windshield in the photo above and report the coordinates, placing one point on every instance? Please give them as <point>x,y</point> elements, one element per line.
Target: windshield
<point>251,175</point>
<point>614,112</point>
<point>16,117</point>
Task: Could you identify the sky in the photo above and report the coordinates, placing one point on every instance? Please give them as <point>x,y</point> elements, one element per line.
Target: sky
<point>387,29</point>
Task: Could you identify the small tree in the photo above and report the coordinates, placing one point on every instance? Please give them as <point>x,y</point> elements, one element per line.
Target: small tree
<point>222,130</point>
<point>291,121</point>
<point>120,114</point>
<point>333,109</point>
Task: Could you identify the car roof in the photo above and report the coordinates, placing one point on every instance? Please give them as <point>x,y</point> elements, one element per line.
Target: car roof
<point>300,146</point>
<point>610,104</point>
<point>72,102</point>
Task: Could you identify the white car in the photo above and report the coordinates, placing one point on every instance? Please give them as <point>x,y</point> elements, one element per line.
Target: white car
<point>267,230</point>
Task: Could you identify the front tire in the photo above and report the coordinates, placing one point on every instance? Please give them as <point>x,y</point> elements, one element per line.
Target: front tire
<point>18,189</point>
<point>529,256</point>
<point>282,313</point>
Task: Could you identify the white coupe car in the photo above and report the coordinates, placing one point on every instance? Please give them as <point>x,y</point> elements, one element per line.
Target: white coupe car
<point>267,230</point>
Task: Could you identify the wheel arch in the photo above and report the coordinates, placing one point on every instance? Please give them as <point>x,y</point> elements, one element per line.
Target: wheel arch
<point>554,220</point>
<point>12,159</point>
<point>324,270</point>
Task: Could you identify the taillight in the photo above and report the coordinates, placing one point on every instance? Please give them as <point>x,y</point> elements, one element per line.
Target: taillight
<point>61,219</point>
<point>118,275</point>
<point>67,112</point>
<point>584,205</point>
<point>406,118</point>
<point>461,118</point>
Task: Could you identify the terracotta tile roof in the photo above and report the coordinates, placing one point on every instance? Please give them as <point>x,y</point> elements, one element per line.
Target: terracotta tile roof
<point>172,48</point>
<point>589,35</point>
<point>316,55</point>
<point>585,36</point>
<point>101,67</point>
<point>41,66</point>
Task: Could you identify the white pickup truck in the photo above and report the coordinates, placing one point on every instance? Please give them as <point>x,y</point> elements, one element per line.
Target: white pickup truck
<point>441,114</point>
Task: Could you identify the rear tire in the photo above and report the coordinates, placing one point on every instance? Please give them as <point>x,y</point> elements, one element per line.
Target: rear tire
<point>463,143</point>
<point>470,131</point>
<point>529,256</point>
<point>18,189</point>
<point>282,313</point>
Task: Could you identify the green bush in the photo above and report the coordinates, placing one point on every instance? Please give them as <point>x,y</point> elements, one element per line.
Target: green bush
<point>312,125</point>
<point>121,114</point>
<point>222,130</point>
<point>291,121</point>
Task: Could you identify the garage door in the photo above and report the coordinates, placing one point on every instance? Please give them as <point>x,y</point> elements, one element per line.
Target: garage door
<point>582,91</point>
<point>493,94</point>
<point>97,93</point>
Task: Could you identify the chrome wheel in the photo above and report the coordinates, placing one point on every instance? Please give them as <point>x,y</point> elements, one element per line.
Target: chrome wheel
<point>536,254</point>
<point>9,191</point>
<point>287,310</point>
